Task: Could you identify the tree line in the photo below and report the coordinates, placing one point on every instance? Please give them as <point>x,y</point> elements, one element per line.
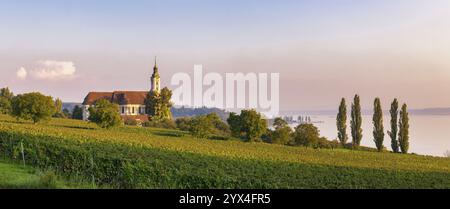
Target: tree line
<point>248,126</point>
<point>34,106</point>
<point>251,126</point>
<point>399,123</point>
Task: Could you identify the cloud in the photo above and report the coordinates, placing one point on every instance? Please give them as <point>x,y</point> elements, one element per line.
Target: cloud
<point>22,73</point>
<point>54,70</point>
<point>49,70</point>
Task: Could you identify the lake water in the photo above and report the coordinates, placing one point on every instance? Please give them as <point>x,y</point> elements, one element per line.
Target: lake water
<point>429,134</point>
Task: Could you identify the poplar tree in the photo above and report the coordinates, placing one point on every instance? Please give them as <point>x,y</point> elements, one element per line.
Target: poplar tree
<point>341,122</point>
<point>58,109</point>
<point>394,128</point>
<point>356,121</point>
<point>403,134</point>
<point>378,129</point>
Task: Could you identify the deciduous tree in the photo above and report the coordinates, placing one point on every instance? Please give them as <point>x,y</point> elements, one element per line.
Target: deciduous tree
<point>105,114</point>
<point>249,125</point>
<point>201,127</point>
<point>306,134</point>
<point>77,113</point>
<point>6,97</point>
<point>282,132</point>
<point>34,106</point>
<point>58,109</point>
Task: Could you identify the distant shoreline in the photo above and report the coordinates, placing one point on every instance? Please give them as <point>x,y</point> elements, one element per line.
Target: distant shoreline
<point>427,111</point>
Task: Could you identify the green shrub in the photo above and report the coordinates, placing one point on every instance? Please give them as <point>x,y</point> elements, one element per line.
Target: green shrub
<point>49,180</point>
<point>33,106</point>
<point>164,123</point>
<point>282,133</point>
<point>306,135</point>
<point>183,123</point>
<point>201,127</point>
<point>130,122</point>
<point>249,125</point>
<point>105,114</point>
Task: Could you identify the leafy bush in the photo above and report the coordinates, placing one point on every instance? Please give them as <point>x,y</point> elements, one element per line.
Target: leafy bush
<point>33,106</point>
<point>323,143</point>
<point>6,97</point>
<point>130,122</point>
<point>220,127</point>
<point>282,133</point>
<point>5,106</point>
<point>306,135</point>
<point>49,180</point>
<point>201,127</point>
<point>105,114</point>
<point>205,126</point>
<point>77,113</point>
<point>249,125</point>
<point>183,123</point>
<point>164,123</point>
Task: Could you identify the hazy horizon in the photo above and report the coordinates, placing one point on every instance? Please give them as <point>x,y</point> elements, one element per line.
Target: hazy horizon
<point>323,50</point>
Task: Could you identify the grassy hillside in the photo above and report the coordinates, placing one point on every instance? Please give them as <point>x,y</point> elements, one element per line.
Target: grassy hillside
<point>16,176</point>
<point>131,157</point>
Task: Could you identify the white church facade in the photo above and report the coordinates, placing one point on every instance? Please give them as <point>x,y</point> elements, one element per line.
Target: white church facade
<point>131,103</point>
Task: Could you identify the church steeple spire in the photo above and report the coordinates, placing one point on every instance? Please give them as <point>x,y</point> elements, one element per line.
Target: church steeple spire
<point>155,68</point>
<point>155,79</point>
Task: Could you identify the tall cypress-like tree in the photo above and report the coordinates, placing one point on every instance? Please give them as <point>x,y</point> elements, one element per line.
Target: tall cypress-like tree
<point>378,129</point>
<point>403,134</point>
<point>394,128</point>
<point>341,122</point>
<point>356,121</point>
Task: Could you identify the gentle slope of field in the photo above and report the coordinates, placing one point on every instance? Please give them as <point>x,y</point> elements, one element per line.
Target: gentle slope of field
<point>16,176</point>
<point>157,158</point>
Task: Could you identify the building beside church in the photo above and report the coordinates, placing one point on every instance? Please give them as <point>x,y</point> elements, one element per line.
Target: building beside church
<point>131,103</point>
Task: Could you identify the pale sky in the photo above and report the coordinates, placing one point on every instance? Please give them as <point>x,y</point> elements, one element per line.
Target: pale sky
<point>323,49</point>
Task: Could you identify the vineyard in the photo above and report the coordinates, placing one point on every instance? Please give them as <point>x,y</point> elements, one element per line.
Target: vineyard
<point>132,157</point>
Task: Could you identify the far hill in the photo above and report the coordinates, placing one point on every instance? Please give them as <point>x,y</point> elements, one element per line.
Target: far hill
<point>70,105</point>
<point>178,112</point>
<point>425,111</point>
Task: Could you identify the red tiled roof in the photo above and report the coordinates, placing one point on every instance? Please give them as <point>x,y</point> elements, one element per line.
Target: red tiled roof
<point>118,97</point>
<point>129,97</point>
<point>93,97</point>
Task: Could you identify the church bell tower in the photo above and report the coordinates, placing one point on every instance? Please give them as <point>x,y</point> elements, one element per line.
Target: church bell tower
<point>155,80</point>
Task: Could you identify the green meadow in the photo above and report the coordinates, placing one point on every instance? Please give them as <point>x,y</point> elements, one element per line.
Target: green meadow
<point>135,157</point>
<point>18,176</point>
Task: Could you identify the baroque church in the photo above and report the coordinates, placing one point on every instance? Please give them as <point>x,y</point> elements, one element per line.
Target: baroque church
<point>131,103</point>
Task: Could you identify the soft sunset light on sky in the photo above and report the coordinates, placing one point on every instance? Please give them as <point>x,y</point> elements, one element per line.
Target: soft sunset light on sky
<point>323,49</point>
